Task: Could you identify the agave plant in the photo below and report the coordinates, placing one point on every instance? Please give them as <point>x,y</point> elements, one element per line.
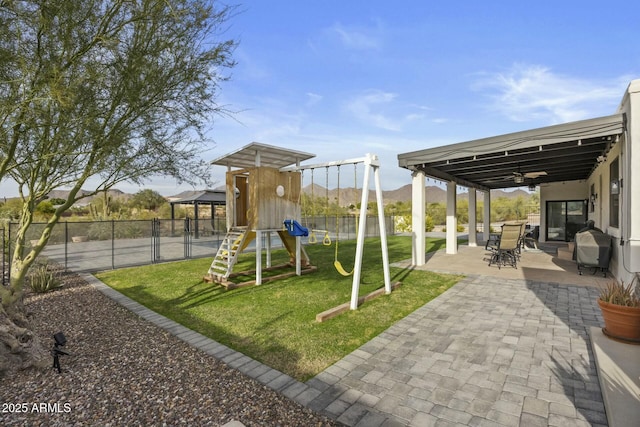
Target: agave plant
<point>42,279</point>
<point>616,292</point>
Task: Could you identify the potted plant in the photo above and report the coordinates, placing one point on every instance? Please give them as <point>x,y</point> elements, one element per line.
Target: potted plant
<point>620,306</point>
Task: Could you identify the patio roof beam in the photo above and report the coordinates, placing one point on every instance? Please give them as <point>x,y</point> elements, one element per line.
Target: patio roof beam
<point>566,132</point>
<point>441,175</point>
<point>525,164</point>
<point>596,148</point>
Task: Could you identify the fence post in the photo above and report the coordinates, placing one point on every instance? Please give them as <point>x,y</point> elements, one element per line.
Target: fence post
<point>113,244</point>
<point>155,240</point>
<point>4,276</point>
<point>155,230</point>
<point>154,248</point>
<point>66,240</point>
<point>157,237</point>
<point>9,253</point>
<point>187,238</point>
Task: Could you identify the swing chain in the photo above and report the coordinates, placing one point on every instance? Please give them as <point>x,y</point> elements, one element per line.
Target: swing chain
<point>336,263</point>
<point>312,235</point>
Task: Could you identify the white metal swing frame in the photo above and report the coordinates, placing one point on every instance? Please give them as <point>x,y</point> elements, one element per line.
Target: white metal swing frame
<point>371,163</point>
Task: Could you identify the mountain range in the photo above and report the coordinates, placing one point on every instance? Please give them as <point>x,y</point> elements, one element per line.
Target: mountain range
<point>434,194</point>
<point>347,195</point>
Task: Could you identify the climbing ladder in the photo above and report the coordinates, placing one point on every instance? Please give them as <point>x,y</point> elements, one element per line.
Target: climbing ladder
<point>234,242</point>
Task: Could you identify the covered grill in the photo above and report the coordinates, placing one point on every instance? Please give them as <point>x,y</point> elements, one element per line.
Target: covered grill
<point>593,250</point>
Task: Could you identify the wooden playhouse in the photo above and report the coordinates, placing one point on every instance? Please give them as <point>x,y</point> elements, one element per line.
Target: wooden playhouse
<point>260,197</point>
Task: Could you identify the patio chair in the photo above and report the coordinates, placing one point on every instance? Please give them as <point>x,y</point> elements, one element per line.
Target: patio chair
<point>492,241</point>
<point>521,238</point>
<point>505,252</point>
<point>531,238</point>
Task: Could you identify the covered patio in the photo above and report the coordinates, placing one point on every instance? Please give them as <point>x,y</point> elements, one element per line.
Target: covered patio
<point>587,165</point>
<point>565,153</point>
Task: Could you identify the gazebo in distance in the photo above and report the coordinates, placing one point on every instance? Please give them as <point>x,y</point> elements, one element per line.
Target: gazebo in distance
<point>209,197</point>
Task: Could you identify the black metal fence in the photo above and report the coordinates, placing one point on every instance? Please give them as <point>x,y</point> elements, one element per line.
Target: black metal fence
<point>91,246</point>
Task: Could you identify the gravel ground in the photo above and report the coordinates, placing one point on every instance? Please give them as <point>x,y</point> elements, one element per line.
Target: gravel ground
<point>125,371</point>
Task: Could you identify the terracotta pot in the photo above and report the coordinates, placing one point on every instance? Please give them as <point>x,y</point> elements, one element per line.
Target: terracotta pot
<point>622,323</point>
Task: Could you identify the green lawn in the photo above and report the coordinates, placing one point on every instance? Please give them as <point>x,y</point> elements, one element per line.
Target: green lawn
<point>275,322</point>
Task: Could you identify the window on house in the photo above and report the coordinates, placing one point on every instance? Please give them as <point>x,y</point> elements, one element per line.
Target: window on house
<point>614,194</point>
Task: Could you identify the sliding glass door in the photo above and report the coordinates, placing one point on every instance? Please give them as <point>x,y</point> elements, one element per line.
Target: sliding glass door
<point>565,218</point>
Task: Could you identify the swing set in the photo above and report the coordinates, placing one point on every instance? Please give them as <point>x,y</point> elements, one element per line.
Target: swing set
<point>371,164</point>
<point>326,241</point>
<point>263,196</point>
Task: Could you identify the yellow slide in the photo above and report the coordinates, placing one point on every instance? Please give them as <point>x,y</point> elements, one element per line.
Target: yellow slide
<point>290,245</point>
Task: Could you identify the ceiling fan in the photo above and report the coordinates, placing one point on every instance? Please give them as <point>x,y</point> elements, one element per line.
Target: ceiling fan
<point>518,177</point>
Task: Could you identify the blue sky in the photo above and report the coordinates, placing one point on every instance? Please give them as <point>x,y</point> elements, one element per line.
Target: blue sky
<point>343,78</point>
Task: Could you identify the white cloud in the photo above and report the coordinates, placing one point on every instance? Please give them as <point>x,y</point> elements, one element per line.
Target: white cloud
<point>379,109</point>
<point>364,108</point>
<point>361,38</point>
<point>533,92</point>
<point>313,98</point>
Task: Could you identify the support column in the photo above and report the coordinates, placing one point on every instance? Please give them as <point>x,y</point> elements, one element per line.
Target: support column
<point>230,199</point>
<point>452,222</point>
<point>473,221</point>
<point>298,255</point>
<point>258,257</point>
<point>486,215</point>
<point>418,218</point>
<point>357,263</point>
<point>268,234</point>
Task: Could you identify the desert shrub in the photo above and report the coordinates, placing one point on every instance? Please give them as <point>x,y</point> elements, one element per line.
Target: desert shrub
<point>459,228</point>
<point>100,230</point>
<point>403,223</point>
<point>429,224</point>
<point>130,230</point>
<point>43,279</point>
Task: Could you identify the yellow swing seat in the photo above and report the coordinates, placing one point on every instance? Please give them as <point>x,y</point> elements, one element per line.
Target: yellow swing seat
<point>338,265</point>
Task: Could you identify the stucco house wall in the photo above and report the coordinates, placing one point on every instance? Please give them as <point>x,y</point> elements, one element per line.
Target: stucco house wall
<point>596,190</point>
<point>625,261</point>
<point>627,252</point>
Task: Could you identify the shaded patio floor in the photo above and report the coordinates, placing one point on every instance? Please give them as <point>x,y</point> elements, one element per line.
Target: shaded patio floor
<point>541,265</point>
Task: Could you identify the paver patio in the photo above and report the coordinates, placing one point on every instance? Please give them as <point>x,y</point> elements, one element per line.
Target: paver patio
<point>489,351</point>
<point>495,349</point>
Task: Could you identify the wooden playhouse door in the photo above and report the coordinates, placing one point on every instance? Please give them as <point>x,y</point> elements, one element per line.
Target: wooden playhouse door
<point>242,201</point>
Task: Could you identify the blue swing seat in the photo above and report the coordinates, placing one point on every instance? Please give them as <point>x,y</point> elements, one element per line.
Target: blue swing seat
<point>295,229</point>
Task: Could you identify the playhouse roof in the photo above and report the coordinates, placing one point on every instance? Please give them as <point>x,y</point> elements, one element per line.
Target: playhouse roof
<point>257,154</point>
